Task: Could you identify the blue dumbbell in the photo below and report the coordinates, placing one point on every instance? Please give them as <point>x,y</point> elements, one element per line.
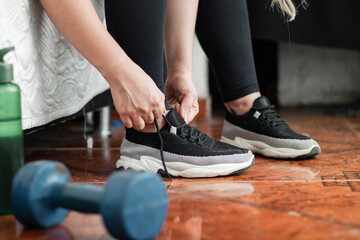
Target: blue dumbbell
<point>133,204</point>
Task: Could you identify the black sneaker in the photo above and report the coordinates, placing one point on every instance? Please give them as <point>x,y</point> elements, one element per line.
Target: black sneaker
<point>263,131</point>
<point>187,152</point>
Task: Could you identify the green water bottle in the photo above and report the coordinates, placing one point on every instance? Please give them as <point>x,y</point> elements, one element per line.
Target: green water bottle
<point>11,134</point>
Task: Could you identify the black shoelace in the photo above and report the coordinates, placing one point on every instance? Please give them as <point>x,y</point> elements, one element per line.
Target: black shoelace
<point>162,148</point>
<point>186,132</point>
<point>193,134</point>
<point>270,116</point>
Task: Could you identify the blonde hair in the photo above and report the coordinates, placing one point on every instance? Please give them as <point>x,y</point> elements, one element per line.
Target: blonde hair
<point>287,7</point>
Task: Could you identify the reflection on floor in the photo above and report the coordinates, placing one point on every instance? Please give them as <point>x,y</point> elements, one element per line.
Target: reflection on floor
<point>311,199</point>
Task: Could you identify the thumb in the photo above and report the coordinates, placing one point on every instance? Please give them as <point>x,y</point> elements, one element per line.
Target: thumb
<point>185,107</point>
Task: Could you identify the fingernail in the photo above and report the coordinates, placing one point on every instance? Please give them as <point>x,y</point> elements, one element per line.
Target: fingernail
<point>186,119</point>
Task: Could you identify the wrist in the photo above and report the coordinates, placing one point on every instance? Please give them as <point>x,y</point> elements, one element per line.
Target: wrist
<point>178,74</point>
<point>116,70</point>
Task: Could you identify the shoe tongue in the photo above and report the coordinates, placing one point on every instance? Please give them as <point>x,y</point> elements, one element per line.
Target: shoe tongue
<point>261,102</point>
<point>174,118</point>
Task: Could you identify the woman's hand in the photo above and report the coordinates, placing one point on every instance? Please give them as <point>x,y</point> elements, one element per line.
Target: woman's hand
<point>136,97</point>
<point>182,95</point>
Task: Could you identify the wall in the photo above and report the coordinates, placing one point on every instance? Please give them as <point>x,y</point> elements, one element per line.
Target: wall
<point>200,71</point>
<point>317,76</point>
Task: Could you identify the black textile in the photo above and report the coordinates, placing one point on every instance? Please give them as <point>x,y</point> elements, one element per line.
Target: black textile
<point>222,28</point>
<point>268,122</point>
<point>174,143</point>
<point>138,27</point>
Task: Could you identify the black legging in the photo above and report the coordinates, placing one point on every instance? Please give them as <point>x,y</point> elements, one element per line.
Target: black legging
<point>222,28</point>
<point>138,27</point>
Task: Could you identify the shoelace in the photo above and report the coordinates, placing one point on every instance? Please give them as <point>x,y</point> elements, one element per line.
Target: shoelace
<point>185,131</point>
<point>193,133</point>
<point>162,148</point>
<point>270,116</point>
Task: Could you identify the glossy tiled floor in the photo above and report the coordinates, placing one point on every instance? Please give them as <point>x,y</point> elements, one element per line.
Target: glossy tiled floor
<point>311,199</point>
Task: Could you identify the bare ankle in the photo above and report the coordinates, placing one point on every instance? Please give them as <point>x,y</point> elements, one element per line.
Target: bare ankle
<point>242,105</point>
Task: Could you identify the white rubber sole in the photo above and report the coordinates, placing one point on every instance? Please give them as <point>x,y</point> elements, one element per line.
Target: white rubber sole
<point>180,169</point>
<point>269,151</point>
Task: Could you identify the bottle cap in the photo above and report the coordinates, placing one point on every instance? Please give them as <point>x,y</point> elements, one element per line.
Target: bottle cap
<point>6,70</point>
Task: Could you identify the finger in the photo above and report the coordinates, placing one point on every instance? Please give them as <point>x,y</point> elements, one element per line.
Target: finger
<point>172,101</point>
<point>172,105</point>
<point>159,110</point>
<point>157,113</point>
<point>148,118</point>
<point>138,122</point>
<point>177,106</point>
<point>194,111</point>
<point>163,108</point>
<point>162,104</point>
<point>186,104</point>
<point>126,121</point>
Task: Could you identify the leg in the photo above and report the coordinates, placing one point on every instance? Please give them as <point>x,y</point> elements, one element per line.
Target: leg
<point>251,121</point>
<point>138,25</point>
<point>223,31</point>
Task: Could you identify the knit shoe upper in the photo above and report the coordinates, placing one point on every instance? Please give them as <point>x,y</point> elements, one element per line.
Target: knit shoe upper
<point>187,151</point>
<point>263,131</point>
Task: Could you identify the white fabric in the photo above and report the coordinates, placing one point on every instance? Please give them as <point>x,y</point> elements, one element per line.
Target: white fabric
<point>55,80</point>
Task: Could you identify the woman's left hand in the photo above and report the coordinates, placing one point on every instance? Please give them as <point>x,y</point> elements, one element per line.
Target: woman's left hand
<point>182,95</point>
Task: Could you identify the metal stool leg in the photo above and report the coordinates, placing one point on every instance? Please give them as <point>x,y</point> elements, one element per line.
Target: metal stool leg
<point>104,126</point>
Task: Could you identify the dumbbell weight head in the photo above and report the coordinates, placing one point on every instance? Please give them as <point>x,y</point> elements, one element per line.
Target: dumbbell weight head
<point>140,211</point>
<point>133,204</point>
<point>31,193</point>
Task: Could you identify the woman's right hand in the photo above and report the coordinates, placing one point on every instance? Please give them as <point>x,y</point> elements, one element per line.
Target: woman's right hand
<point>136,97</point>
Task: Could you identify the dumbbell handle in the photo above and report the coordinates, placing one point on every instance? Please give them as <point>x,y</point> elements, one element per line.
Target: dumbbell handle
<point>82,197</point>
